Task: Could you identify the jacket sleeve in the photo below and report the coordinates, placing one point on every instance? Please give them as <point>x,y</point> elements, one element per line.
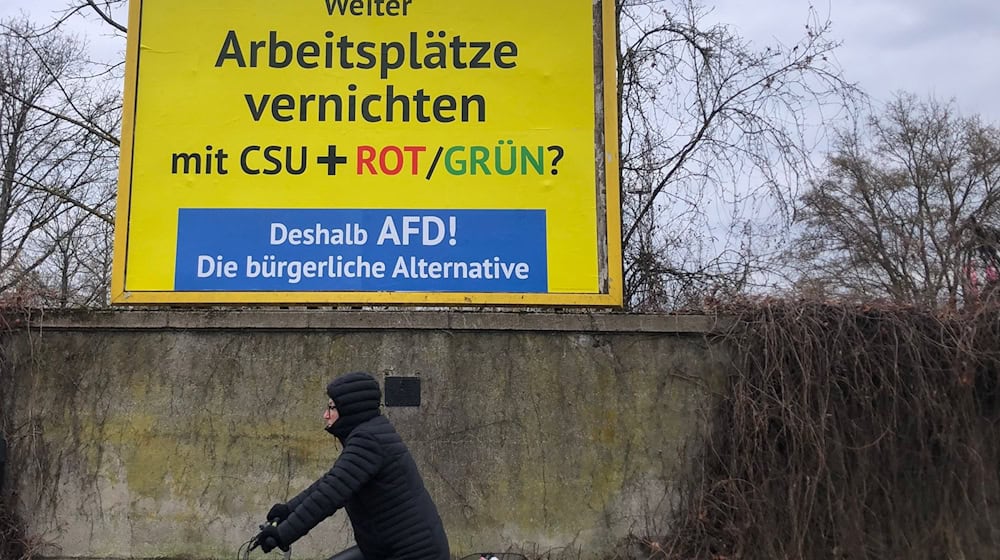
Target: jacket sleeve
<point>294,502</point>
<point>360,460</point>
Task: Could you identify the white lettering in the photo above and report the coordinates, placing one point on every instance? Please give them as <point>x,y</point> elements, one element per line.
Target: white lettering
<point>388,232</point>
<point>409,228</point>
<point>275,230</point>
<point>203,262</point>
<point>437,223</point>
<point>350,234</point>
<point>209,266</point>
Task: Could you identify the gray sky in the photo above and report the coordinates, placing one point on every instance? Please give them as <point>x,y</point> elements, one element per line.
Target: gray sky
<point>945,48</point>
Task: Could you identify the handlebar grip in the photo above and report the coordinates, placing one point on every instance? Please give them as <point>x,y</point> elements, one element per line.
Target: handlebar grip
<point>287,554</point>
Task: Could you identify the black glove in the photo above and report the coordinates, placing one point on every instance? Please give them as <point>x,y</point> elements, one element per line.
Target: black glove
<point>278,513</point>
<point>268,539</point>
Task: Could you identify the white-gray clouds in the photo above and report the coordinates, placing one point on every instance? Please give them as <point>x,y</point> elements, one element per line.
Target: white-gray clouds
<point>928,47</point>
<point>944,48</point>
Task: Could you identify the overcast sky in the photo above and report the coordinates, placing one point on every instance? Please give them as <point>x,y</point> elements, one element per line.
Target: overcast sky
<point>945,48</point>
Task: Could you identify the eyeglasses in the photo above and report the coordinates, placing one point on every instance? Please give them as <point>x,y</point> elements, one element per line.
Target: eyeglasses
<point>331,407</point>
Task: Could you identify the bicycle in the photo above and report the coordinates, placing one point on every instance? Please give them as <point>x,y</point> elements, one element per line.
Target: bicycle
<point>244,551</point>
<point>354,553</point>
<point>494,556</point>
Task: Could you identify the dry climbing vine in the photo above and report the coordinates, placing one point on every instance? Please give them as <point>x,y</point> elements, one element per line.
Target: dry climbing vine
<point>848,431</point>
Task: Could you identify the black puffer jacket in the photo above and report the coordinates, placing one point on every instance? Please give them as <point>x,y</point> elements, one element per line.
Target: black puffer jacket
<point>375,479</point>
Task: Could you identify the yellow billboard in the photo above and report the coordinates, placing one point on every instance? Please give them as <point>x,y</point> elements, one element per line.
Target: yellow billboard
<point>369,151</point>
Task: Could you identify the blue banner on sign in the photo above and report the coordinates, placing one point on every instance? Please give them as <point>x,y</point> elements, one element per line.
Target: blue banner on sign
<point>283,250</point>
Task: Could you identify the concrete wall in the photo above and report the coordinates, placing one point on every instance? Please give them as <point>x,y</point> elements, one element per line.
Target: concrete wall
<point>151,434</point>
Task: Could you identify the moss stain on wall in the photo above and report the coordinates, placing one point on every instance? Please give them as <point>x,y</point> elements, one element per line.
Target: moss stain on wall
<point>189,437</point>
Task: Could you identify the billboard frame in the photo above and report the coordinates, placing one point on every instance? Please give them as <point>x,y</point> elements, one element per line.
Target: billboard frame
<point>609,251</point>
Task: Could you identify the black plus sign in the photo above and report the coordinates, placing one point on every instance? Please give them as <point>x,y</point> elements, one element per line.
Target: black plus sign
<point>331,159</point>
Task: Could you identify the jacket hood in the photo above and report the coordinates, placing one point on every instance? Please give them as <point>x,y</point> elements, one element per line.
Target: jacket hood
<point>357,397</point>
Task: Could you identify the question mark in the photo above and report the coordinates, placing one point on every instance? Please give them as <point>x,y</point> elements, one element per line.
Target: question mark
<point>559,154</point>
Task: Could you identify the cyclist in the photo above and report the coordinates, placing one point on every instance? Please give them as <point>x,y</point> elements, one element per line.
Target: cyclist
<point>374,479</point>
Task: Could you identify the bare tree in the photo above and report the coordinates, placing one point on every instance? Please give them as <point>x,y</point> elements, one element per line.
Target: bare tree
<point>105,10</point>
<point>905,205</point>
<point>717,137</point>
<point>58,150</point>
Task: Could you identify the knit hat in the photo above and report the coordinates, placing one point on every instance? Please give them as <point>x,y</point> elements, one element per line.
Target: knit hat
<point>357,397</point>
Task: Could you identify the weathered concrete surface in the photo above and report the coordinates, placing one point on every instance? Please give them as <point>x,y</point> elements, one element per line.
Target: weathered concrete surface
<point>150,434</point>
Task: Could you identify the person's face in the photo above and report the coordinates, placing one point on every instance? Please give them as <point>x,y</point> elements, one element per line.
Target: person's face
<point>330,414</point>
